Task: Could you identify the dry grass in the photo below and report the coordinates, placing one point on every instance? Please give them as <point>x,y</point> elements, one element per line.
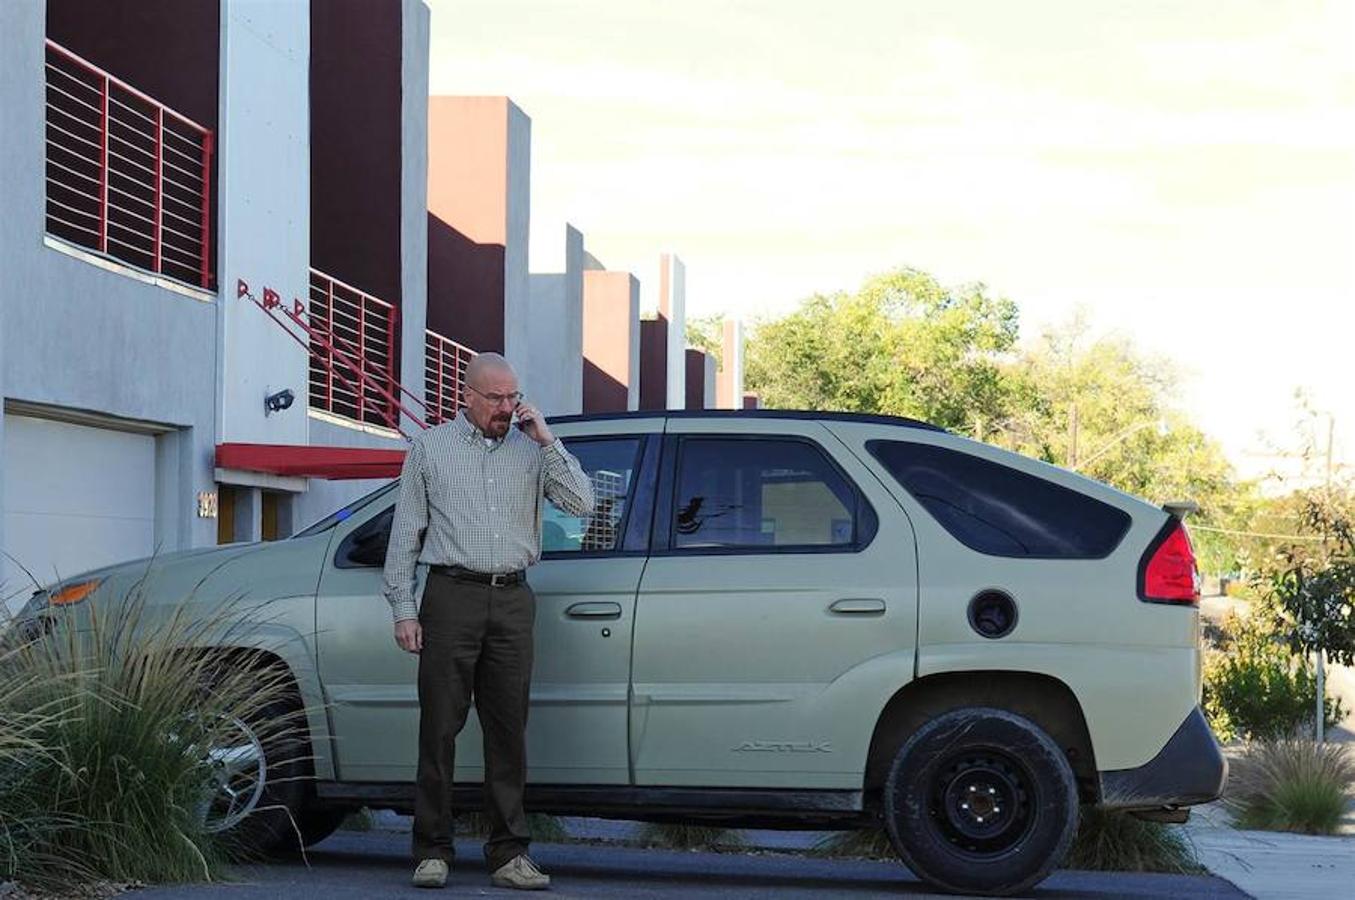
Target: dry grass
<point>1110,840</point>
<point>104,723</point>
<point>689,837</point>
<point>1291,785</point>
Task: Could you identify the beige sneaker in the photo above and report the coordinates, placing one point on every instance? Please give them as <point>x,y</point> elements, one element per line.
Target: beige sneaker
<point>431,873</point>
<point>520,873</point>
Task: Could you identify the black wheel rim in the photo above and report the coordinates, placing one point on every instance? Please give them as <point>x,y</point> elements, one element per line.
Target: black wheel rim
<point>982,801</point>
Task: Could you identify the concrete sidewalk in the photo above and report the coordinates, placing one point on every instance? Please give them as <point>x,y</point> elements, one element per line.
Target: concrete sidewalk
<point>1272,865</point>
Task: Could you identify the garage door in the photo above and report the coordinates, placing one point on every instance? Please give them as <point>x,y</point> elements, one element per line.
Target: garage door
<point>75,498</point>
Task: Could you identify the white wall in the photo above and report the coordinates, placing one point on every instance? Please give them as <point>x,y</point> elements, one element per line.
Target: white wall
<point>633,383</point>
<point>674,305</point>
<point>414,20</point>
<point>517,290</point>
<point>85,338</point>
<point>265,212</point>
<point>708,384</point>
<point>553,371</point>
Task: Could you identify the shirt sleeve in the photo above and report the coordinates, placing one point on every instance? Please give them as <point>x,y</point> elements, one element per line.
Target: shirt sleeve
<point>407,531</point>
<point>564,482</point>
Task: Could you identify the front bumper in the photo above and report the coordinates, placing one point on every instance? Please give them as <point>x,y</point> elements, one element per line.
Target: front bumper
<point>1189,769</point>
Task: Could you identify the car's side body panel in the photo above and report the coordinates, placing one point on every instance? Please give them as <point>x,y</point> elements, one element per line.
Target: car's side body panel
<point>1134,667</point>
<point>744,673</point>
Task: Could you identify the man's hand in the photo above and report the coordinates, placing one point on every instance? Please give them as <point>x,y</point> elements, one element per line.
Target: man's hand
<point>409,635</point>
<point>534,425</point>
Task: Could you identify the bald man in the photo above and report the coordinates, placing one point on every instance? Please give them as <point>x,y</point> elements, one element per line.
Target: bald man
<point>470,507</point>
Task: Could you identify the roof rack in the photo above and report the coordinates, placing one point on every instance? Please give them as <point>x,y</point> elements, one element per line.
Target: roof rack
<point>749,414</point>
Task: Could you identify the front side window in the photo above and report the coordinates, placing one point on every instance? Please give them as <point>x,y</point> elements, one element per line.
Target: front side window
<point>612,465</point>
<point>1002,511</point>
<point>761,494</point>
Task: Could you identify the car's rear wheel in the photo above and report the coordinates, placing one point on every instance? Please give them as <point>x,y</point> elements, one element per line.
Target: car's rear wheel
<point>981,801</point>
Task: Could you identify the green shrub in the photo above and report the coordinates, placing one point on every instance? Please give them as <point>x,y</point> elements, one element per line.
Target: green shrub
<point>1111,840</point>
<point>110,768</point>
<point>1254,687</point>
<point>1291,785</point>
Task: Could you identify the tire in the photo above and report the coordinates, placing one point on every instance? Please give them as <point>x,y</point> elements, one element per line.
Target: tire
<point>318,823</point>
<point>269,767</point>
<point>981,801</point>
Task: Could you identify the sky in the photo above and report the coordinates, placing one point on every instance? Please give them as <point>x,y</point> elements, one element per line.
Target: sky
<point>1184,171</point>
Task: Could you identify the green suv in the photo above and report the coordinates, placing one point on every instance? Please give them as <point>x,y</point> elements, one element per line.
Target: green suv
<point>772,619</point>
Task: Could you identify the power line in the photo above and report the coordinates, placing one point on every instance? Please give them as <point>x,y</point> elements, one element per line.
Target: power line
<point>1260,534</point>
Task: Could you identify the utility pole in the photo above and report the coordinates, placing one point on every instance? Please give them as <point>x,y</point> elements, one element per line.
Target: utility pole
<point>1321,654</point>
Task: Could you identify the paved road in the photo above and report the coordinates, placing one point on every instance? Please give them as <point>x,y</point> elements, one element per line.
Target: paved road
<point>353,865</point>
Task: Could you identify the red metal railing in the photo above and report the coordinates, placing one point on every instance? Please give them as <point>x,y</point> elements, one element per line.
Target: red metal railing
<point>355,331</point>
<point>445,364</point>
<point>336,355</point>
<point>127,176</point>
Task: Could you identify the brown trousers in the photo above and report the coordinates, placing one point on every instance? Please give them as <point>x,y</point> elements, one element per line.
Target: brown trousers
<point>477,641</point>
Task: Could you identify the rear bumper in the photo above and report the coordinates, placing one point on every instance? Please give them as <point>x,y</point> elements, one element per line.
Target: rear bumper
<point>1189,769</point>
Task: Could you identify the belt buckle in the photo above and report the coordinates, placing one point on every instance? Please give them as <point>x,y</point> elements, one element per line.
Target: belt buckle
<point>497,580</point>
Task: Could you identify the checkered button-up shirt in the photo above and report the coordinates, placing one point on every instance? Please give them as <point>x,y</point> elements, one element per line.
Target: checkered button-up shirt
<point>465,501</point>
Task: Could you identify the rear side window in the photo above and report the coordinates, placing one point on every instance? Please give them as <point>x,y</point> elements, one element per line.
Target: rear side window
<point>1002,511</point>
<point>764,495</point>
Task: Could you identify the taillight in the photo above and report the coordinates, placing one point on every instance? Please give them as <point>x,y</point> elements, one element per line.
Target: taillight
<point>1168,573</point>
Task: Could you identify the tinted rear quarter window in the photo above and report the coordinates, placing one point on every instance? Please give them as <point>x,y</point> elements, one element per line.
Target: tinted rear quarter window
<point>1002,511</point>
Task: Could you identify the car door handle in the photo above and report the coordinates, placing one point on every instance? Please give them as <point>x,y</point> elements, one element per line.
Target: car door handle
<point>858,606</point>
<point>594,611</point>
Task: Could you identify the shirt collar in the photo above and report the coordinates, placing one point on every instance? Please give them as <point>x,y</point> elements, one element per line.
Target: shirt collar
<point>467,430</point>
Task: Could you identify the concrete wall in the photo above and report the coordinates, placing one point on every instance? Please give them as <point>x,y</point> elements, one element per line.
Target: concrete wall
<point>77,334</point>
<point>265,211</point>
<point>654,363</point>
<point>729,394</point>
<point>415,29</point>
<point>478,187</point>
<point>700,383</point>
<point>169,49</point>
<point>355,139</point>
<point>553,372</point>
<point>517,291</point>
<point>323,496</point>
<point>673,307</point>
<point>408,194</point>
<point>611,341</point>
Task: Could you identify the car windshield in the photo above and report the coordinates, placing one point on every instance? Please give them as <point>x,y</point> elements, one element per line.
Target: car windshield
<point>342,513</point>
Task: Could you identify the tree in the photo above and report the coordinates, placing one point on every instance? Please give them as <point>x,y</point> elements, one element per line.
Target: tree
<point>903,344</point>
<point>707,334</point>
<point>1105,409</point>
<point>1310,584</point>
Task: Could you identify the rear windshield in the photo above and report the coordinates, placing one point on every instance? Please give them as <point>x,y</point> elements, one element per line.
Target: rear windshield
<point>1002,511</point>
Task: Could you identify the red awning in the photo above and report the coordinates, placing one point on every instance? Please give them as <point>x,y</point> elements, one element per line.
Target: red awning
<point>311,462</point>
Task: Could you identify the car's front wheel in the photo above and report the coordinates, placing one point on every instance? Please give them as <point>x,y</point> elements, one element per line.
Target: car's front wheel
<point>260,772</point>
<point>981,801</point>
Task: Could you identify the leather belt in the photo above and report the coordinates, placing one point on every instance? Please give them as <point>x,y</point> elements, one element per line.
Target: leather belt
<point>493,579</point>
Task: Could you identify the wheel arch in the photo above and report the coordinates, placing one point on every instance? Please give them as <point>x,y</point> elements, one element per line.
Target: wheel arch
<point>1045,700</point>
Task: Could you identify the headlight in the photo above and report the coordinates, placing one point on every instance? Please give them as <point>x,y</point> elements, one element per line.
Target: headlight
<point>73,593</point>
<point>34,621</point>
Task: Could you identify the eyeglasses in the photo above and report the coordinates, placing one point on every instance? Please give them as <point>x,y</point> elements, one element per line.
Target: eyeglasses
<point>497,399</point>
